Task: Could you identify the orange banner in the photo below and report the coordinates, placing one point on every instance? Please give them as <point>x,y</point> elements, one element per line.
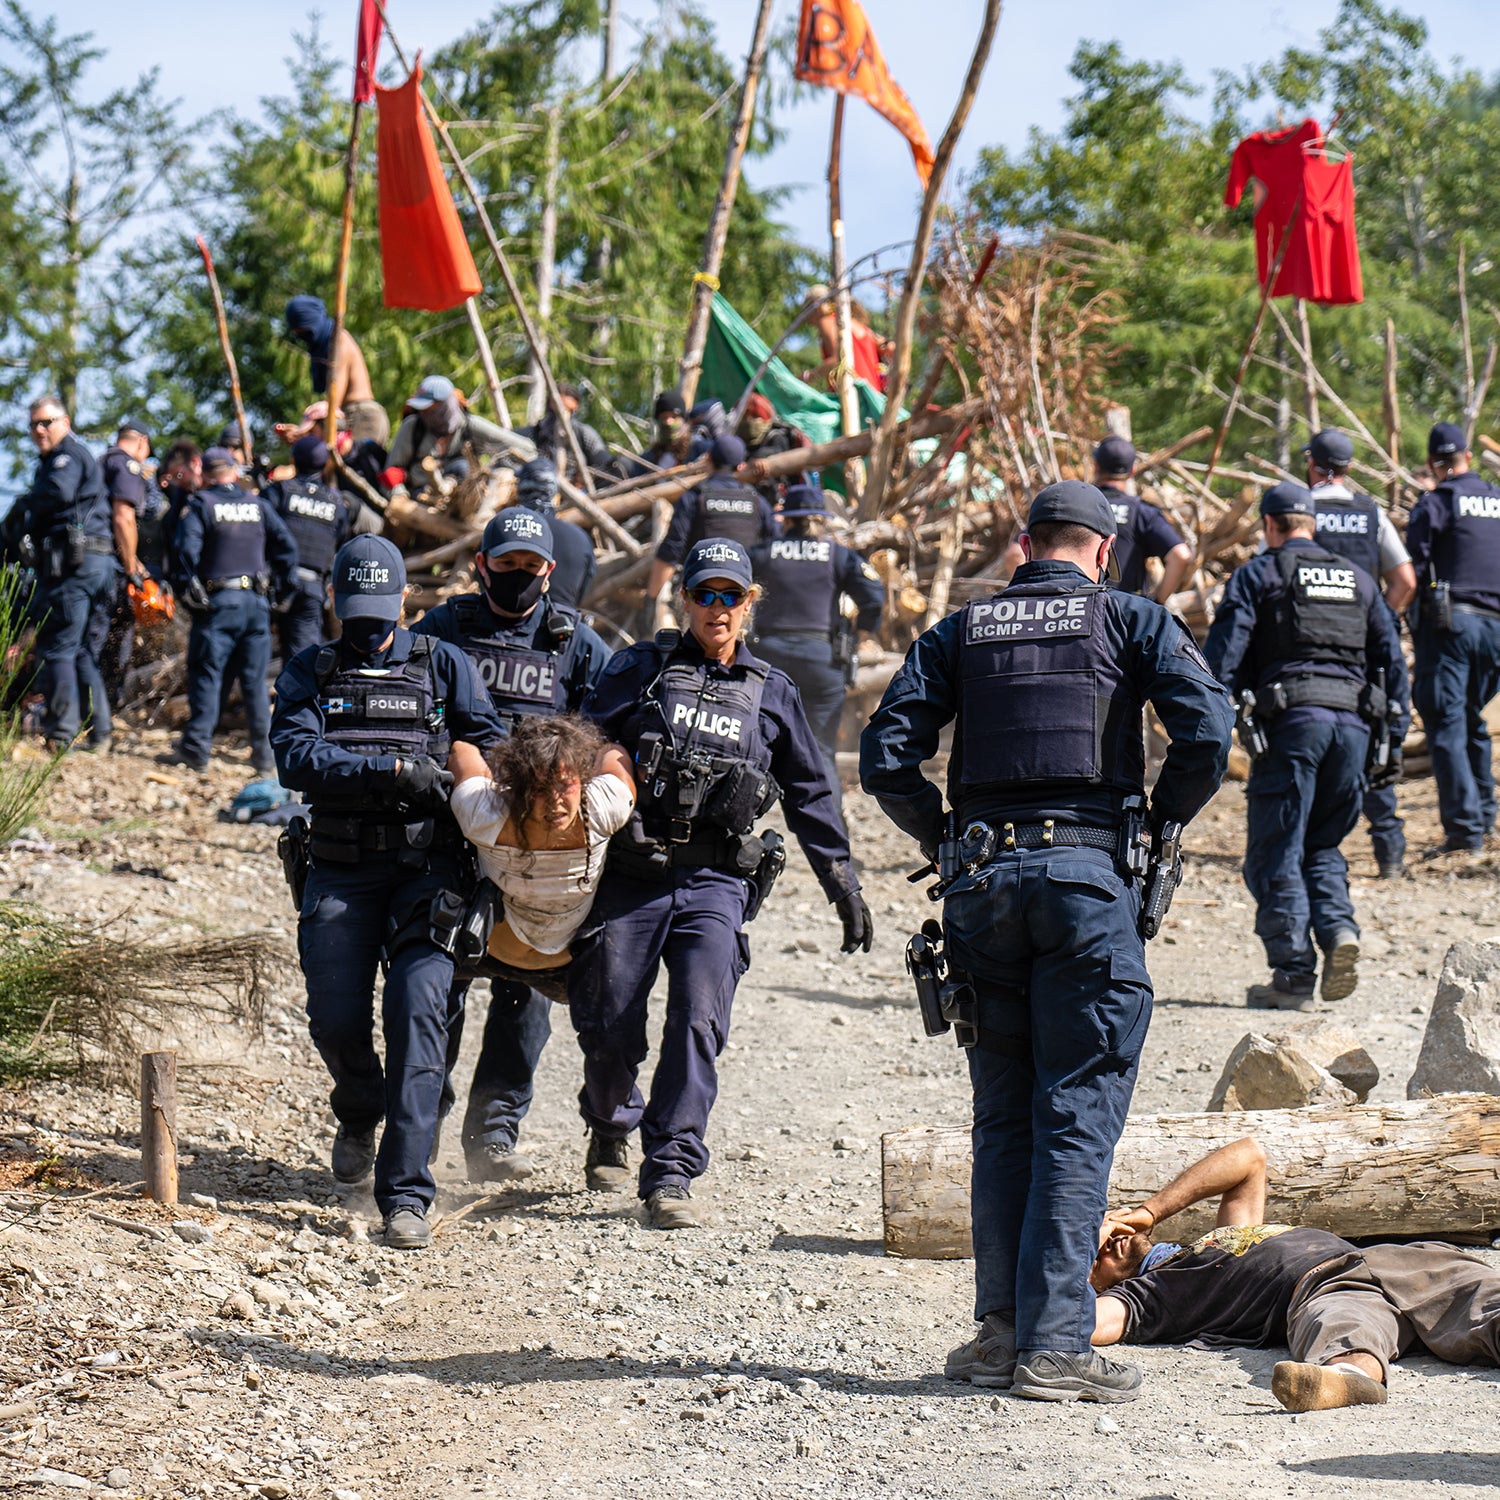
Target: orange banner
<point>423,253</point>
<point>836,48</point>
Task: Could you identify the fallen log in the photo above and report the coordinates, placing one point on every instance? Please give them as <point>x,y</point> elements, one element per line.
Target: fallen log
<point>1422,1167</point>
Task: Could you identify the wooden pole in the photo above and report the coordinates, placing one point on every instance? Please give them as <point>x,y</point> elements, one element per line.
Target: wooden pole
<point>487,359</point>
<point>899,376</point>
<point>224,344</point>
<point>1471,416</point>
<point>854,470</point>
<point>1392,414</point>
<point>706,280</point>
<point>546,261</point>
<point>512,287</point>
<point>341,280</point>
<point>1309,375</point>
<point>1463,324</point>
<point>159,1125</point>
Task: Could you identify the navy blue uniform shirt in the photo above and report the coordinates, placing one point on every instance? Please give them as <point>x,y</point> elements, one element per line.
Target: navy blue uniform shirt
<point>674,545</point>
<point>576,563</point>
<point>1230,637</point>
<point>1161,657</point>
<point>192,529</point>
<point>67,489</point>
<point>852,576</point>
<point>617,705</point>
<point>1143,531</point>
<point>1473,567</point>
<point>309,764</point>
<point>124,479</point>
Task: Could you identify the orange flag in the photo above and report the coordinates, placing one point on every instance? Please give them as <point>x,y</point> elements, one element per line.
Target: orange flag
<point>835,47</point>
<point>423,253</point>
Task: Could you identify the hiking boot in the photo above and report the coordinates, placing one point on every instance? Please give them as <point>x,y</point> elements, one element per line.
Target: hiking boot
<point>1323,1387</point>
<point>1340,967</point>
<point>498,1161</point>
<point>1048,1376</point>
<point>1285,992</point>
<point>671,1207</point>
<point>1395,870</point>
<point>407,1229</point>
<point>607,1165</point>
<point>989,1358</point>
<point>353,1155</point>
<point>1455,846</point>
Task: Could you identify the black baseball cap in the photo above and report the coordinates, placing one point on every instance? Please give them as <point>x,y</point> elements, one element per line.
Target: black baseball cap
<point>716,557</point>
<point>369,579</point>
<point>1330,449</point>
<point>1288,499</point>
<point>1073,503</point>
<point>728,451</point>
<point>1446,440</point>
<point>219,458</point>
<point>517,529</point>
<point>804,500</point>
<point>1115,455</point>
<point>131,425</point>
<point>309,453</point>
<point>671,401</point>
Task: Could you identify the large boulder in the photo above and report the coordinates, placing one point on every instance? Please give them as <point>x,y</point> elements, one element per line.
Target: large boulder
<point>1461,1049</point>
<point>1263,1074</point>
<point>1333,1047</point>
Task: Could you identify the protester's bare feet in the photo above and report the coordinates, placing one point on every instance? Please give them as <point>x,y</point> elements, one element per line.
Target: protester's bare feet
<point>1302,1387</point>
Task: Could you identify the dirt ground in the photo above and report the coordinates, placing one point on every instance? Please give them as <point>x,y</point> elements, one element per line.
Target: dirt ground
<point>259,1340</point>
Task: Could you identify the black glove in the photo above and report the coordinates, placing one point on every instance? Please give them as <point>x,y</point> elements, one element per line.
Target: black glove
<point>424,782</point>
<point>1390,773</point>
<point>859,925</point>
<point>136,580</point>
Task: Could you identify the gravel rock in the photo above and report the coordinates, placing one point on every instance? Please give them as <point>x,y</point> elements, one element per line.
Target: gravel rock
<point>193,1232</point>
<point>118,1479</point>
<point>1262,1074</point>
<point>1461,1048</point>
<point>1334,1047</point>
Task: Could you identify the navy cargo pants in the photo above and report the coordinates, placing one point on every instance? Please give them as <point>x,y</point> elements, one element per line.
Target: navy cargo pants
<point>692,922</point>
<point>232,638</point>
<point>1303,801</point>
<point>69,650</point>
<point>1050,939</point>
<point>1458,672</point>
<point>516,1028</point>
<point>350,914</point>
<point>300,624</point>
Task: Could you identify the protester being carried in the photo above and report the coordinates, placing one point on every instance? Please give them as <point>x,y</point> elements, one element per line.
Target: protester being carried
<point>540,812</point>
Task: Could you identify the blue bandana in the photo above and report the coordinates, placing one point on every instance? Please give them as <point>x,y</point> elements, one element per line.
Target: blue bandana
<point>1158,1255</point>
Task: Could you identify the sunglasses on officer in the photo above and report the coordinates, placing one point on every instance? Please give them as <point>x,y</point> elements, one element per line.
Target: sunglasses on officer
<point>729,598</point>
<point>44,422</point>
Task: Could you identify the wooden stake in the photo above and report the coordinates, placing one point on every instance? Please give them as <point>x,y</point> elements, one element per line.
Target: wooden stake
<point>546,261</point>
<point>1471,416</point>
<point>1463,324</point>
<point>706,280</point>
<point>487,359</point>
<point>159,1125</point>
<point>1309,378</point>
<point>854,470</point>
<point>341,281</point>
<point>228,350</point>
<point>1392,414</point>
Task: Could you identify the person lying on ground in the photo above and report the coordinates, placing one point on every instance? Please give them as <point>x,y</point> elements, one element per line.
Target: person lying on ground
<point>540,814</point>
<point>1344,1312</point>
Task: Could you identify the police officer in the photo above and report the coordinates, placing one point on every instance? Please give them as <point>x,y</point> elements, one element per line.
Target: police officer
<point>69,520</point>
<point>232,550</point>
<point>536,489</point>
<point>535,657</point>
<point>1454,536</point>
<point>1306,633</point>
<point>1143,531</point>
<point>362,730</point>
<point>1047,681</point>
<point>1352,525</point>
<point>800,625</point>
<point>123,468</point>
<point>320,520</point>
<point>722,506</point>
<point>717,737</point>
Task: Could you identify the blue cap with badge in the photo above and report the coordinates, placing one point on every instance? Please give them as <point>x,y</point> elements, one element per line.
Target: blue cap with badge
<point>1446,440</point>
<point>716,557</point>
<point>369,579</point>
<point>1288,499</point>
<point>517,529</point>
<point>1330,449</point>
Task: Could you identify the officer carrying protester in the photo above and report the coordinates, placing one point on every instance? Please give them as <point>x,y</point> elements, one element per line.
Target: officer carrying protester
<point>575,566</point>
<point>1352,525</point>
<point>1055,872</point>
<point>362,729</point>
<point>1309,650</point>
<point>536,657</point>
<point>67,513</point>
<point>717,738</point>
<point>1454,536</point>
<point>800,625</point>
<point>1142,530</point>
<point>233,554</point>
<point>320,520</point>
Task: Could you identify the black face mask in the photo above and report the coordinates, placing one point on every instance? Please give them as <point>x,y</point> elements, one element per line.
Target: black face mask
<point>515,592</point>
<point>364,635</point>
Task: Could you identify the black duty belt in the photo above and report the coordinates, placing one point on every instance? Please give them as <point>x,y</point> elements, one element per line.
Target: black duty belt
<point>311,575</point>
<point>712,852</point>
<point>1051,835</point>
<point>1460,608</point>
<point>102,546</point>
<point>222,585</point>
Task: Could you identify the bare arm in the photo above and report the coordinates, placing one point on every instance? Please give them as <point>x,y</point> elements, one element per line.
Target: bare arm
<point>1174,568</point>
<point>1400,586</point>
<point>122,520</point>
<point>1109,1320</point>
<point>661,575</point>
<point>465,761</point>
<point>613,761</point>
<point>1235,1174</point>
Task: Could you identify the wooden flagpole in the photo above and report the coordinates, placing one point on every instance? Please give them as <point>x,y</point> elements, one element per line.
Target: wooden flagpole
<point>854,470</point>
<point>234,373</point>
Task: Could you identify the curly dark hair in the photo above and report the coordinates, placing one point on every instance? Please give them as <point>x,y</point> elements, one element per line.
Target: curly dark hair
<point>539,753</point>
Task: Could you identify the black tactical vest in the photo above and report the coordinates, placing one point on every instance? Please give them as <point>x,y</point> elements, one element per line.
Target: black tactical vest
<point>1467,553</point>
<point>1320,617</point>
<point>1043,695</point>
<point>798,574</point>
<point>523,680</point>
<point>1350,527</point>
<point>312,513</point>
<point>729,509</point>
<point>234,534</point>
<point>1128,559</point>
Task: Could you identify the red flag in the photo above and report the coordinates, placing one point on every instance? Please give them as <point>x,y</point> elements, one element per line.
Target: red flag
<point>366,48</point>
<point>423,253</point>
<point>836,48</point>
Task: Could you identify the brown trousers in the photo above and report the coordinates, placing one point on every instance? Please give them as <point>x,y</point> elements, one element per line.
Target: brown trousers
<point>1387,1300</point>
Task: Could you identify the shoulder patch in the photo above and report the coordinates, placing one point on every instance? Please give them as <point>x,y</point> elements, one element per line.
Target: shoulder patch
<point>61,461</point>
<point>1187,646</point>
<point>133,465</point>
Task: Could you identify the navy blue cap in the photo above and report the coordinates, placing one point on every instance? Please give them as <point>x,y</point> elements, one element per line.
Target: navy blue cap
<point>1288,499</point>
<point>369,579</point>
<point>309,453</point>
<point>1330,449</point>
<point>1115,455</point>
<point>219,458</point>
<point>517,529</point>
<point>804,500</point>
<point>1073,503</point>
<point>716,557</point>
<point>131,425</point>
<point>728,452</point>
<point>1446,440</point>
